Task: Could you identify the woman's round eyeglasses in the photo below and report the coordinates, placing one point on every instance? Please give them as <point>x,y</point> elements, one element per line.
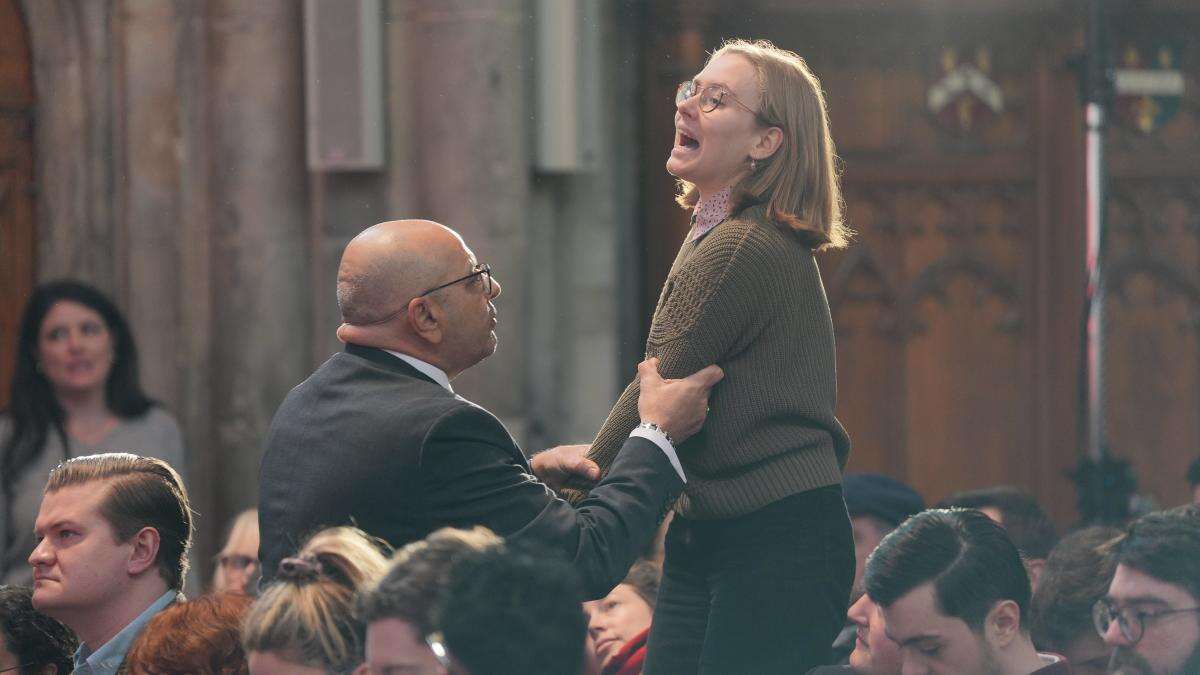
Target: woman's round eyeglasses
<point>711,97</point>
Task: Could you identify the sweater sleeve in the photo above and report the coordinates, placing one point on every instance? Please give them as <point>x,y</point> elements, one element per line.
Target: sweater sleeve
<point>709,310</point>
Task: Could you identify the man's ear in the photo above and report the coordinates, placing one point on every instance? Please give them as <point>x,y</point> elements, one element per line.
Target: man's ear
<point>1003,623</point>
<point>145,551</point>
<point>768,142</point>
<point>426,319</point>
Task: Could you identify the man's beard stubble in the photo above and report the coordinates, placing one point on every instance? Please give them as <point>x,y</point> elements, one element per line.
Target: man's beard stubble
<point>1125,661</point>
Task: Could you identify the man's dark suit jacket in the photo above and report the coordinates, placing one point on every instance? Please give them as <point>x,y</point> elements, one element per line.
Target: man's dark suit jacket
<point>368,440</point>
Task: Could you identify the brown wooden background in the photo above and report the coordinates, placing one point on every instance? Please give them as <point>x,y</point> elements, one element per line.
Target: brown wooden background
<point>959,308</point>
<point>16,183</point>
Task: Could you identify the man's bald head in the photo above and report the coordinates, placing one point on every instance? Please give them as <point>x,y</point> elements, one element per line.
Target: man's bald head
<point>388,264</point>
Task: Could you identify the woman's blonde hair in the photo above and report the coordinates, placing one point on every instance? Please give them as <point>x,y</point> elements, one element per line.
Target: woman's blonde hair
<point>244,530</point>
<point>799,184</point>
<point>307,614</point>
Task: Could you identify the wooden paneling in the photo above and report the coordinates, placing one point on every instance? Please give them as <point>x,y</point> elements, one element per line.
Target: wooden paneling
<point>1153,388</point>
<point>16,184</point>
<point>959,307</point>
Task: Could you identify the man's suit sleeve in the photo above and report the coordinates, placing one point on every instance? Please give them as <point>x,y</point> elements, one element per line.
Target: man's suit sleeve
<point>473,473</point>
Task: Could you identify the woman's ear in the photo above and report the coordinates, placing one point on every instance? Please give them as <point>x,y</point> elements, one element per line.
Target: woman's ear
<point>768,143</point>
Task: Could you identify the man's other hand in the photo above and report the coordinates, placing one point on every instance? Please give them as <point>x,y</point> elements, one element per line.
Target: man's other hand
<point>678,407</point>
<point>554,466</point>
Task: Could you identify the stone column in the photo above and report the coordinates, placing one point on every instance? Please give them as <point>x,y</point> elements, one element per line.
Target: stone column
<point>72,66</point>
<point>469,93</point>
<point>147,191</point>
<point>260,257</point>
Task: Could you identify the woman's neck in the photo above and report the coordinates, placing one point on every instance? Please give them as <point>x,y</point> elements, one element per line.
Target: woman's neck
<point>85,406</point>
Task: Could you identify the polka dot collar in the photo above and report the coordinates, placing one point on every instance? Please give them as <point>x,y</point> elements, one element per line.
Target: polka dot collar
<point>709,213</point>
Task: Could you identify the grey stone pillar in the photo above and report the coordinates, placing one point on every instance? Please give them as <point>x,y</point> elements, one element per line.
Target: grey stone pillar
<point>147,162</point>
<point>469,60</point>
<point>72,66</point>
<point>260,257</point>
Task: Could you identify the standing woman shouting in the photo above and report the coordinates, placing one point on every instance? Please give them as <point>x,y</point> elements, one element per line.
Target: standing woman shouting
<point>75,390</point>
<point>760,556</point>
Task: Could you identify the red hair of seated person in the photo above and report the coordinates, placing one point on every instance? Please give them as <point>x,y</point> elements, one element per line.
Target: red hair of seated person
<point>197,636</point>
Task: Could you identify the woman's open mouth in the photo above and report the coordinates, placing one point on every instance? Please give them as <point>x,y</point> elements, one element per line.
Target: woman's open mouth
<point>687,142</point>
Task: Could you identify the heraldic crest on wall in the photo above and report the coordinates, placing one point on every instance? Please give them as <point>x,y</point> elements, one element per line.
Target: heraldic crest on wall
<point>1149,87</point>
<point>965,98</point>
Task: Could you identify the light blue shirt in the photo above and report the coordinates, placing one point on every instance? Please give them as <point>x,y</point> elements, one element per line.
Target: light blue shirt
<point>108,658</point>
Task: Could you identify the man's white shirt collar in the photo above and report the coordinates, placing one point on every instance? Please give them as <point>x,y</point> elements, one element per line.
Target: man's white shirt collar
<point>436,374</point>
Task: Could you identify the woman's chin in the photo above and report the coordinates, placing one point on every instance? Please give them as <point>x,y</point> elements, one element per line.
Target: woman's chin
<point>678,167</point>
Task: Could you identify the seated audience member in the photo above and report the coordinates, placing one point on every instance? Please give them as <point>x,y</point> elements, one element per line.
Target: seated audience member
<point>620,622</point>
<point>304,622</point>
<point>1076,576</point>
<point>1026,522</point>
<point>512,611</point>
<point>955,596</point>
<point>398,609</point>
<point>113,536</point>
<point>1193,476</point>
<point>197,636</point>
<point>237,563</point>
<point>1151,615</point>
<point>33,643</point>
<point>874,653</point>
<point>877,504</point>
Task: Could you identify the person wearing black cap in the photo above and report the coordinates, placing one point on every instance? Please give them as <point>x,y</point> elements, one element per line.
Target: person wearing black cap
<point>877,504</point>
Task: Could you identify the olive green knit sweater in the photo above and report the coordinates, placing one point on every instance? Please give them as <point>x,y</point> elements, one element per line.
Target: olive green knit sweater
<point>748,297</point>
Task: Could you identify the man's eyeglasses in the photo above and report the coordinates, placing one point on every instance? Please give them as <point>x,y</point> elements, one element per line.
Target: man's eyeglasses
<point>711,98</point>
<point>483,270</point>
<point>437,645</point>
<point>1132,624</point>
<point>18,667</point>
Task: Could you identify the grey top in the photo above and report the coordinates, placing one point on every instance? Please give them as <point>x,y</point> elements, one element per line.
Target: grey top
<point>108,658</point>
<point>154,434</point>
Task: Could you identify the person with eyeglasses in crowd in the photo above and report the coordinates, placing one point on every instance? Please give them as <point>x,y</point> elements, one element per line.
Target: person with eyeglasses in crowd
<point>1151,613</point>
<point>32,643</point>
<point>399,607</point>
<point>377,435</point>
<point>237,568</point>
<point>759,556</point>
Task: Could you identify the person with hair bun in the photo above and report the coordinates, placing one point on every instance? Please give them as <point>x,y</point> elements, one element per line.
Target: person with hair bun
<point>74,391</point>
<point>197,636</point>
<point>759,557</point>
<point>304,622</point>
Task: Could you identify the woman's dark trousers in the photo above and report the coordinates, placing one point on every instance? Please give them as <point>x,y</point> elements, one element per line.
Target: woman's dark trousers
<point>763,593</point>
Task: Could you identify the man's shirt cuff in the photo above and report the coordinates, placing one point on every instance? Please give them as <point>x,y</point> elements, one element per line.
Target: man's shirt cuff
<point>660,439</point>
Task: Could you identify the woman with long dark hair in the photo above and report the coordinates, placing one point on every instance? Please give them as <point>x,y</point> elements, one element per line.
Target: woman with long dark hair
<point>759,556</point>
<point>75,390</point>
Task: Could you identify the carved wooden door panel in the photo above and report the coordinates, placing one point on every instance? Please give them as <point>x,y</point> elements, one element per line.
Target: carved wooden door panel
<point>1153,392</point>
<point>16,182</point>
<point>959,308</point>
